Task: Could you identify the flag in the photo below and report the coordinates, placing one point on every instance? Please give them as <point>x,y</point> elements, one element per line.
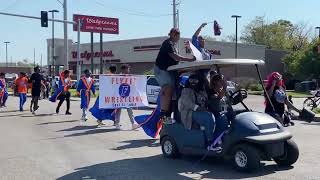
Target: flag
<point>151,123</point>
<point>216,29</point>
<point>102,114</point>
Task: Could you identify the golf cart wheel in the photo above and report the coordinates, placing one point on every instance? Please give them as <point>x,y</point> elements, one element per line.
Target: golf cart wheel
<point>246,157</point>
<point>309,104</point>
<point>290,156</point>
<point>169,147</point>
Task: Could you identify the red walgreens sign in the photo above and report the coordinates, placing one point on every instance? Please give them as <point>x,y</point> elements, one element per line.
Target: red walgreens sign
<point>96,24</point>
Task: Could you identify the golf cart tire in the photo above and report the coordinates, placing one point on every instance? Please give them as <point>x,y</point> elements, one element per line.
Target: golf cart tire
<point>169,147</point>
<point>291,154</point>
<point>251,156</point>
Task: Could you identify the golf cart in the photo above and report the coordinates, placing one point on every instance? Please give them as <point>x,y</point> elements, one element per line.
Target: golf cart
<point>251,138</point>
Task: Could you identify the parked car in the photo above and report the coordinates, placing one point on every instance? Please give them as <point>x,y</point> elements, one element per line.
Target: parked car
<point>73,84</point>
<point>231,87</point>
<point>96,83</point>
<point>153,89</point>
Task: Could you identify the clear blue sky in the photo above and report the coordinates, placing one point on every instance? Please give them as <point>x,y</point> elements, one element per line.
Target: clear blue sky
<point>143,18</point>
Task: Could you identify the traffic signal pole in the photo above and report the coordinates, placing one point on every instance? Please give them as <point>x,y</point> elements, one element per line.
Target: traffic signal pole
<point>54,20</point>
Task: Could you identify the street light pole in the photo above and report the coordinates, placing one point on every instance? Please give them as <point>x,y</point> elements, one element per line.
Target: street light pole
<point>236,49</point>
<point>174,13</point>
<point>319,30</point>
<point>53,51</point>
<point>66,48</point>
<point>7,42</point>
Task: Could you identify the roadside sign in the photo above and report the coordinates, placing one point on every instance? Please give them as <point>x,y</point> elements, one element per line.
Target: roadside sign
<point>96,24</point>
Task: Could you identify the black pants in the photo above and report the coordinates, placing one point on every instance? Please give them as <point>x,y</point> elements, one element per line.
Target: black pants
<point>62,97</point>
<point>34,102</point>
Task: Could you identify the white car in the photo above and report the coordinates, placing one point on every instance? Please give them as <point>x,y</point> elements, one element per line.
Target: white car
<point>153,89</point>
<point>231,87</point>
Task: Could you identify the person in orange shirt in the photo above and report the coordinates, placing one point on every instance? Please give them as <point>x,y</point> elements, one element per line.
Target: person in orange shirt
<point>22,84</point>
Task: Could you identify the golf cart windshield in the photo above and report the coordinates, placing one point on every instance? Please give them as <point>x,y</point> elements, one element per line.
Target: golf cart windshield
<point>208,64</point>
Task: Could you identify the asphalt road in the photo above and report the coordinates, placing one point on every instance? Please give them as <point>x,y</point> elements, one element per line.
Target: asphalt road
<point>50,146</point>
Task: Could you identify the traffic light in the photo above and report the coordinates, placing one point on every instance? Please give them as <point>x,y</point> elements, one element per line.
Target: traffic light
<point>44,19</point>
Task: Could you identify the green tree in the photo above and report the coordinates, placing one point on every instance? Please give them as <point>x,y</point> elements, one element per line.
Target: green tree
<point>281,34</point>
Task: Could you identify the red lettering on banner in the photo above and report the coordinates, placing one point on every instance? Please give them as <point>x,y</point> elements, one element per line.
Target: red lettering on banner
<point>113,99</point>
<point>107,100</point>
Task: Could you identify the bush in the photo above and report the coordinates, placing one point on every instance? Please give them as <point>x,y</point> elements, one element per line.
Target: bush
<point>255,87</point>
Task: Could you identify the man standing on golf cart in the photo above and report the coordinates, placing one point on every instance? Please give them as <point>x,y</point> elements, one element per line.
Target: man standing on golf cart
<point>168,56</point>
<point>198,41</point>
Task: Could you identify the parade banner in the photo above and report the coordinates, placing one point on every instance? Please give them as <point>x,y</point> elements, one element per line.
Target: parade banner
<point>122,91</point>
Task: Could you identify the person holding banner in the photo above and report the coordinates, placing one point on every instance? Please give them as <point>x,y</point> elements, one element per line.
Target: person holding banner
<point>103,114</point>
<point>125,69</point>
<point>3,90</point>
<point>198,41</point>
<point>84,88</point>
<point>168,56</point>
<point>62,93</point>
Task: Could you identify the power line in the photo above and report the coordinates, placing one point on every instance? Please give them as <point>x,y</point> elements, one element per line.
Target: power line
<point>133,12</point>
<point>11,5</point>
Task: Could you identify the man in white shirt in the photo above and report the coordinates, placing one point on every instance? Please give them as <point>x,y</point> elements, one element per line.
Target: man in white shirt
<point>125,69</point>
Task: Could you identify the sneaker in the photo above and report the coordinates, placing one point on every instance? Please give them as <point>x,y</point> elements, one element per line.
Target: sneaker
<point>36,108</point>
<point>57,111</point>
<point>291,123</point>
<point>135,126</point>
<point>118,127</point>
<point>217,149</point>
<point>68,113</point>
<point>168,120</point>
<point>100,123</point>
<point>33,112</point>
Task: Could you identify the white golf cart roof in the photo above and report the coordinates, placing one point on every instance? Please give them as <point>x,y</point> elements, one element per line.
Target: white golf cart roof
<point>208,64</point>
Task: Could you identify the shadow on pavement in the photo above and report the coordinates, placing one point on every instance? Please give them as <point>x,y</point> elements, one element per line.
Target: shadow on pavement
<point>77,128</point>
<point>138,143</point>
<point>12,115</point>
<point>158,168</point>
<point>312,123</point>
<point>9,111</point>
<point>58,122</point>
<point>39,115</point>
<point>89,132</point>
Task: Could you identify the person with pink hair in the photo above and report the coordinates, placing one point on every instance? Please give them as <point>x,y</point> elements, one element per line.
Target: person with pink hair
<point>276,90</point>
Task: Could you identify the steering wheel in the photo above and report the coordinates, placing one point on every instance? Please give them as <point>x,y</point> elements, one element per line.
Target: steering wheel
<point>238,96</point>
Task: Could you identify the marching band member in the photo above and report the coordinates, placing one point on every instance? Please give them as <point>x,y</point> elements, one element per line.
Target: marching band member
<point>84,88</point>
<point>62,93</point>
<point>3,90</point>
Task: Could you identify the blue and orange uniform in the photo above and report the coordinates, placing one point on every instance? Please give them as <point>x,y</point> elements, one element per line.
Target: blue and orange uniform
<point>3,92</point>
<point>84,88</point>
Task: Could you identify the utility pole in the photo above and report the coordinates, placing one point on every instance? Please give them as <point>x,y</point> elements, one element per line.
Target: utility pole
<point>65,29</point>
<point>41,60</point>
<point>236,45</point>
<point>51,70</point>
<point>7,42</point>
<point>174,14</point>
<point>34,57</point>
<point>236,49</point>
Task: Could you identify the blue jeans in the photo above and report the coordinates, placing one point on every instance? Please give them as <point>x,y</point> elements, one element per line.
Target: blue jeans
<point>23,99</point>
<point>222,124</point>
<point>207,120</point>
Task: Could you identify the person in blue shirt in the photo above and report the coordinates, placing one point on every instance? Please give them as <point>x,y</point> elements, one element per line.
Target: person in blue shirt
<point>84,88</point>
<point>199,42</point>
